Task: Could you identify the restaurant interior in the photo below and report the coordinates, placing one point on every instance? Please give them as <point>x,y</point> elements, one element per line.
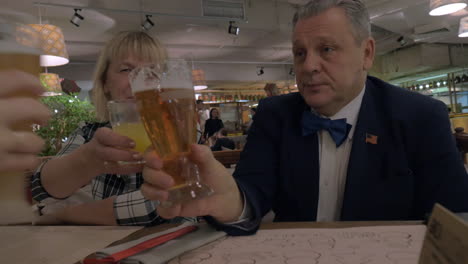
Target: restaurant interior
<point>236,48</point>
<point>240,49</point>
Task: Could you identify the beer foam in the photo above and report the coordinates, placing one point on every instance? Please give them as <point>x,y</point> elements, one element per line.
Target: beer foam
<point>13,47</point>
<point>144,79</point>
<point>152,78</point>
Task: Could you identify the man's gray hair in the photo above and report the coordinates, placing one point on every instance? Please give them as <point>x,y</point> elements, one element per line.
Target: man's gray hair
<point>355,10</point>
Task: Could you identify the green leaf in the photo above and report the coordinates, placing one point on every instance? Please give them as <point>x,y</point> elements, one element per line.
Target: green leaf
<point>67,114</point>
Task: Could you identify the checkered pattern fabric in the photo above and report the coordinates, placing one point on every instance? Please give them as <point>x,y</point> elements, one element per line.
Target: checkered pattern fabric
<point>130,207</point>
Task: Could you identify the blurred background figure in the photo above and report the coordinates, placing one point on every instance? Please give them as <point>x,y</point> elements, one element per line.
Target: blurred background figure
<point>203,115</point>
<point>213,124</point>
<point>253,110</point>
<point>222,141</point>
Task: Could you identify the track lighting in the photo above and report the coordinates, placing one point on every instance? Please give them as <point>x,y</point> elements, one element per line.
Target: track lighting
<point>147,24</point>
<point>463,29</point>
<point>464,78</point>
<point>76,18</point>
<point>402,41</point>
<point>260,71</point>
<point>233,29</point>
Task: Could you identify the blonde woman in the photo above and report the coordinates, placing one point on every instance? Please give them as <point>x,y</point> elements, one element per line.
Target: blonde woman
<point>89,155</point>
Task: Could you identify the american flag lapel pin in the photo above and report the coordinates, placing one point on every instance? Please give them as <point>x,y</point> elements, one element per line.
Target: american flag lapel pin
<point>371,139</point>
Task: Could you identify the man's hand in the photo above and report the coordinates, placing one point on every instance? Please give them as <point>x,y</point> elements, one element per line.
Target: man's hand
<point>18,108</point>
<point>225,204</point>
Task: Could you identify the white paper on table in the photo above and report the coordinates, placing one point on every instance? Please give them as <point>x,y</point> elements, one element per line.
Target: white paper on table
<point>360,245</point>
<point>56,244</point>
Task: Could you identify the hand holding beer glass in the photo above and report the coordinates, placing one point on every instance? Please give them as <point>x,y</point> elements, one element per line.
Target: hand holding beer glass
<point>166,103</point>
<point>125,120</point>
<point>19,50</point>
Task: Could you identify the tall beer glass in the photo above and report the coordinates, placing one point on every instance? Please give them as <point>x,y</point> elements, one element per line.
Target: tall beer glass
<point>19,50</point>
<point>166,103</point>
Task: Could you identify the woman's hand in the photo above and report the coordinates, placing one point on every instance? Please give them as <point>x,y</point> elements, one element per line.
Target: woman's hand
<point>107,148</point>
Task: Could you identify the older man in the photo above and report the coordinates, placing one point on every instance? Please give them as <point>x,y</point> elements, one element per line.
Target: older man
<point>347,147</point>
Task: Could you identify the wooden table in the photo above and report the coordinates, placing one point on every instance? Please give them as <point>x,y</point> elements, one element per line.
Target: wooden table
<point>279,225</point>
<point>283,226</point>
<point>55,244</point>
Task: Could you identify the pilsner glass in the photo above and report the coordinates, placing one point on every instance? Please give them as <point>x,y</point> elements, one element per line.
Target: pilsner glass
<point>125,120</point>
<point>19,50</point>
<point>166,103</point>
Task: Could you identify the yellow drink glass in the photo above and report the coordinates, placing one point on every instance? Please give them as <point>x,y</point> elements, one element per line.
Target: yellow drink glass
<point>135,131</point>
<point>125,120</point>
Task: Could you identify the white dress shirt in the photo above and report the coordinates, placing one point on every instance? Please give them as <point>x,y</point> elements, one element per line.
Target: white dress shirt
<point>333,164</point>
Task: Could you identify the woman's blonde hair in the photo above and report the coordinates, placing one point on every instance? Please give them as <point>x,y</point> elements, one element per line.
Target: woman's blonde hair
<point>130,43</point>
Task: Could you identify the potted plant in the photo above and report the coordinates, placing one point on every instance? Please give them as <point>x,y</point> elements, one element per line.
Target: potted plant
<point>68,112</point>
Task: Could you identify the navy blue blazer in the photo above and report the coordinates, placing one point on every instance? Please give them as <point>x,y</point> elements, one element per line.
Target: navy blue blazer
<point>414,164</point>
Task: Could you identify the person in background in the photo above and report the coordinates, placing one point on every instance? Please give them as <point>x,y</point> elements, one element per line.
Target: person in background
<point>90,156</point>
<point>222,141</point>
<point>203,115</point>
<point>213,124</point>
<point>253,110</point>
<point>347,147</point>
<point>19,149</point>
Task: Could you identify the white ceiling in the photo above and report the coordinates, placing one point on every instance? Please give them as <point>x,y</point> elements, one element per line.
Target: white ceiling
<point>264,34</point>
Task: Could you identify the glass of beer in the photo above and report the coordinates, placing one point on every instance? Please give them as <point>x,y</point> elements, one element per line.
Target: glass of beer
<point>125,120</point>
<point>166,102</point>
<point>19,50</point>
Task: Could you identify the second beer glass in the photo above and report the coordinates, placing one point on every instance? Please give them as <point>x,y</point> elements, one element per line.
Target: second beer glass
<point>166,103</point>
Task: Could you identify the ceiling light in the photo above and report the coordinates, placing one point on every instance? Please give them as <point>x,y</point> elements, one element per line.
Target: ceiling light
<point>76,18</point>
<point>402,41</point>
<point>198,79</point>
<point>148,24</point>
<point>445,7</point>
<point>199,87</point>
<point>51,83</point>
<point>53,49</point>
<point>233,29</point>
<point>260,71</point>
<point>463,29</point>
